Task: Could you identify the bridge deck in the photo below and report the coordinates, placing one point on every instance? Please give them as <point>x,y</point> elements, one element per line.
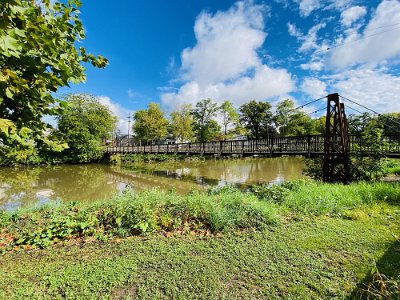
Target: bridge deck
<point>312,145</point>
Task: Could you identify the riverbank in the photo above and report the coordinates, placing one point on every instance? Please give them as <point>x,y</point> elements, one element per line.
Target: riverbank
<point>288,241</point>
<point>321,258</point>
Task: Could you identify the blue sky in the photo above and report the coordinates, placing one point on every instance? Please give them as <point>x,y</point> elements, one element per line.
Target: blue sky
<point>181,51</point>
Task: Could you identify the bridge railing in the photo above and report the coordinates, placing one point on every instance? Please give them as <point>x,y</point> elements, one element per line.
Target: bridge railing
<point>302,145</point>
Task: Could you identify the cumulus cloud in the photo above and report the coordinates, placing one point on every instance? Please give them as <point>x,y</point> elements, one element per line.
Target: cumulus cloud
<point>352,14</point>
<point>224,63</point>
<point>378,42</point>
<point>373,88</point>
<point>120,112</point>
<point>313,87</point>
<point>226,44</point>
<point>267,82</point>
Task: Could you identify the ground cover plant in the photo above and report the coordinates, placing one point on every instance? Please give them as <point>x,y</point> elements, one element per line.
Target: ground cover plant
<point>290,241</point>
<point>145,213</point>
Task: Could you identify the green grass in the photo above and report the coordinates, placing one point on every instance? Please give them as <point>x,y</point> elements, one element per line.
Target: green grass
<point>318,198</point>
<point>391,166</point>
<point>317,258</point>
<point>299,240</point>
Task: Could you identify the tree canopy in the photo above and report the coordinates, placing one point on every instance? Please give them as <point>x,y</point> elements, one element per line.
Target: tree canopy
<point>37,56</point>
<point>84,124</point>
<point>291,121</point>
<point>182,123</point>
<point>257,118</point>
<point>229,116</point>
<point>206,128</point>
<point>150,124</point>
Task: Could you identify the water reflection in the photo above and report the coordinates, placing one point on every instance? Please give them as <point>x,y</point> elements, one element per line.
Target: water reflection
<point>241,172</point>
<point>39,185</point>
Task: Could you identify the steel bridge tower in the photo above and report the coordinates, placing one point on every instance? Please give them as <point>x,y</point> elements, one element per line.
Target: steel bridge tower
<point>336,165</point>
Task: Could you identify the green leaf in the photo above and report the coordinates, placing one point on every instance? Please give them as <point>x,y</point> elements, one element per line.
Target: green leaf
<point>8,43</point>
<point>9,94</point>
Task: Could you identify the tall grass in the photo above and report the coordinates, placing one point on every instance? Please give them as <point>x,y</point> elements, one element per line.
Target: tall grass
<point>144,213</point>
<point>219,210</point>
<point>308,197</point>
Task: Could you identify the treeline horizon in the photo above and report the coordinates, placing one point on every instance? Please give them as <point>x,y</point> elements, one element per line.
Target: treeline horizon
<point>84,124</point>
<point>208,121</point>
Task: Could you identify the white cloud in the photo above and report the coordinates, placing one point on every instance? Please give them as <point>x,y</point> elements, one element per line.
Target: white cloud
<point>352,14</point>
<point>267,82</point>
<point>339,5</point>
<point>377,43</point>
<point>120,112</point>
<point>293,31</point>
<point>131,93</point>
<point>226,44</point>
<point>373,88</point>
<point>314,87</point>
<point>224,63</point>
<point>313,66</point>
<point>306,7</point>
<point>310,40</point>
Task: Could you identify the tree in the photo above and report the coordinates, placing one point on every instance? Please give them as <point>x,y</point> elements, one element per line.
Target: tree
<point>182,123</point>
<point>358,123</point>
<point>319,125</point>
<point>150,124</point>
<point>284,113</point>
<point>203,114</point>
<point>390,123</point>
<point>229,116</point>
<point>84,124</point>
<point>37,56</point>
<point>211,131</point>
<point>291,121</point>
<point>257,118</point>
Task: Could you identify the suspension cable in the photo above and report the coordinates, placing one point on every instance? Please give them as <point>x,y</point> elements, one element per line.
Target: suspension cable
<point>363,106</point>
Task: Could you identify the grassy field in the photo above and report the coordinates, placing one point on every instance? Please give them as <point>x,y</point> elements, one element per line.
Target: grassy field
<point>325,247</point>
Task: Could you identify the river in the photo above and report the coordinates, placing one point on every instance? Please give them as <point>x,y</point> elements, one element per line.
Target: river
<point>24,186</point>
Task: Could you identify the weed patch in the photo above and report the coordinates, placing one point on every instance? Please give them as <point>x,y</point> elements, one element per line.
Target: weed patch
<point>142,214</point>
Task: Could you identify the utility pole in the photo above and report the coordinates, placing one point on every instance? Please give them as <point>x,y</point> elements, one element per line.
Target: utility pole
<point>129,127</point>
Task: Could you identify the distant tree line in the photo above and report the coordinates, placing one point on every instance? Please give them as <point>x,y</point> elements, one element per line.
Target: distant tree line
<point>208,121</point>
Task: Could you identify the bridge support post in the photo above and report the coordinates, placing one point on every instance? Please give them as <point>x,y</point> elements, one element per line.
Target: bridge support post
<point>336,166</point>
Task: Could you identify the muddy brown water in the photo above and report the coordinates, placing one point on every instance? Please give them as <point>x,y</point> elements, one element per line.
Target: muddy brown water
<point>39,185</point>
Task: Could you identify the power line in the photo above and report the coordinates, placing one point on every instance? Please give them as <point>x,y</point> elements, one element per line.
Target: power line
<point>359,39</point>
<point>384,26</point>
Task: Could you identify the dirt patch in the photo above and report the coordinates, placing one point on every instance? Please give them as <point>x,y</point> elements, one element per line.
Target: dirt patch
<point>125,292</point>
<point>391,178</point>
